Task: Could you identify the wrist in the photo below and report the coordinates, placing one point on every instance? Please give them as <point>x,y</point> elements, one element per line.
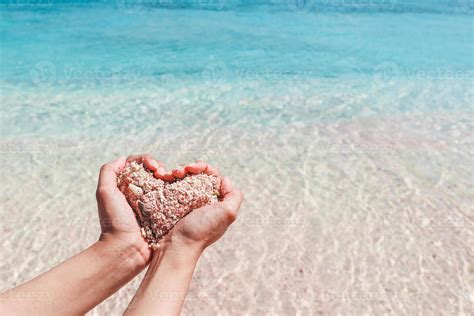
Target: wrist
<point>177,254</point>
<point>133,254</point>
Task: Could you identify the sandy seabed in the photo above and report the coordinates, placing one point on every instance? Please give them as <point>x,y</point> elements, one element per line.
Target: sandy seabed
<point>368,216</point>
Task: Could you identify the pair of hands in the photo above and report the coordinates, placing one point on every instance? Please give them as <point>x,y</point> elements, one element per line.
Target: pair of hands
<point>121,253</point>
<point>195,232</point>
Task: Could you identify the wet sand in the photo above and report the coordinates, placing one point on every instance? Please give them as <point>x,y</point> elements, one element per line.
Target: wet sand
<point>362,216</point>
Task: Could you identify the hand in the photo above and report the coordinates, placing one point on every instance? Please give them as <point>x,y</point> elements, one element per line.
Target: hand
<point>117,219</point>
<point>205,225</point>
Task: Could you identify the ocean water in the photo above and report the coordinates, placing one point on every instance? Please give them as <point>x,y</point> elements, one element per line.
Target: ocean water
<point>140,47</point>
<point>347,124</point>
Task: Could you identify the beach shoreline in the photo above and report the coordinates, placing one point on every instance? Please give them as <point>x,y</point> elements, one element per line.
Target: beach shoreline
<point>393,222</point>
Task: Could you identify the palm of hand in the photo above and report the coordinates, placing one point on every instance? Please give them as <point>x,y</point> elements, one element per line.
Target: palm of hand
<point>204,225</point>
<point>116,215</point>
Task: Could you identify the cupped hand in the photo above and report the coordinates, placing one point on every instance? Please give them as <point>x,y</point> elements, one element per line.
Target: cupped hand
<point>205,225</point>
<point>117,219</point>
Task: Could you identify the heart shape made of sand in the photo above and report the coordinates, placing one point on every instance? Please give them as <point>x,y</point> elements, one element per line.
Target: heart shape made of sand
<point>160,205</point>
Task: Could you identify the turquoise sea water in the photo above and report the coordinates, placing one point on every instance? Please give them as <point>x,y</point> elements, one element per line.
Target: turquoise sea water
<point>254,48</point>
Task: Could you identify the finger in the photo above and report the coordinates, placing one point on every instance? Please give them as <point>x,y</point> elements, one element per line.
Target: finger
<point>108,173</point>
<point>164,175</point>
<point>195,168</point>
<point>201,167</point>
<point>232,197</point>
<point>210,170</point>
<point>179,173</point>
<point>226,186</point>
<point>136,158</point>
<point>147,161</point>
<point>151,163</point>
<point>139,158</point>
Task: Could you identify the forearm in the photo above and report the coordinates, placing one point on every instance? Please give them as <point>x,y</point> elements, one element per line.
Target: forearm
<point>78,284</point>
<point>166,282</point>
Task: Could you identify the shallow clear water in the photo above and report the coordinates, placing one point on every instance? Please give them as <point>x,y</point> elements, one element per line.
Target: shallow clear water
<point>348,125</point>
<point>126,49</point>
